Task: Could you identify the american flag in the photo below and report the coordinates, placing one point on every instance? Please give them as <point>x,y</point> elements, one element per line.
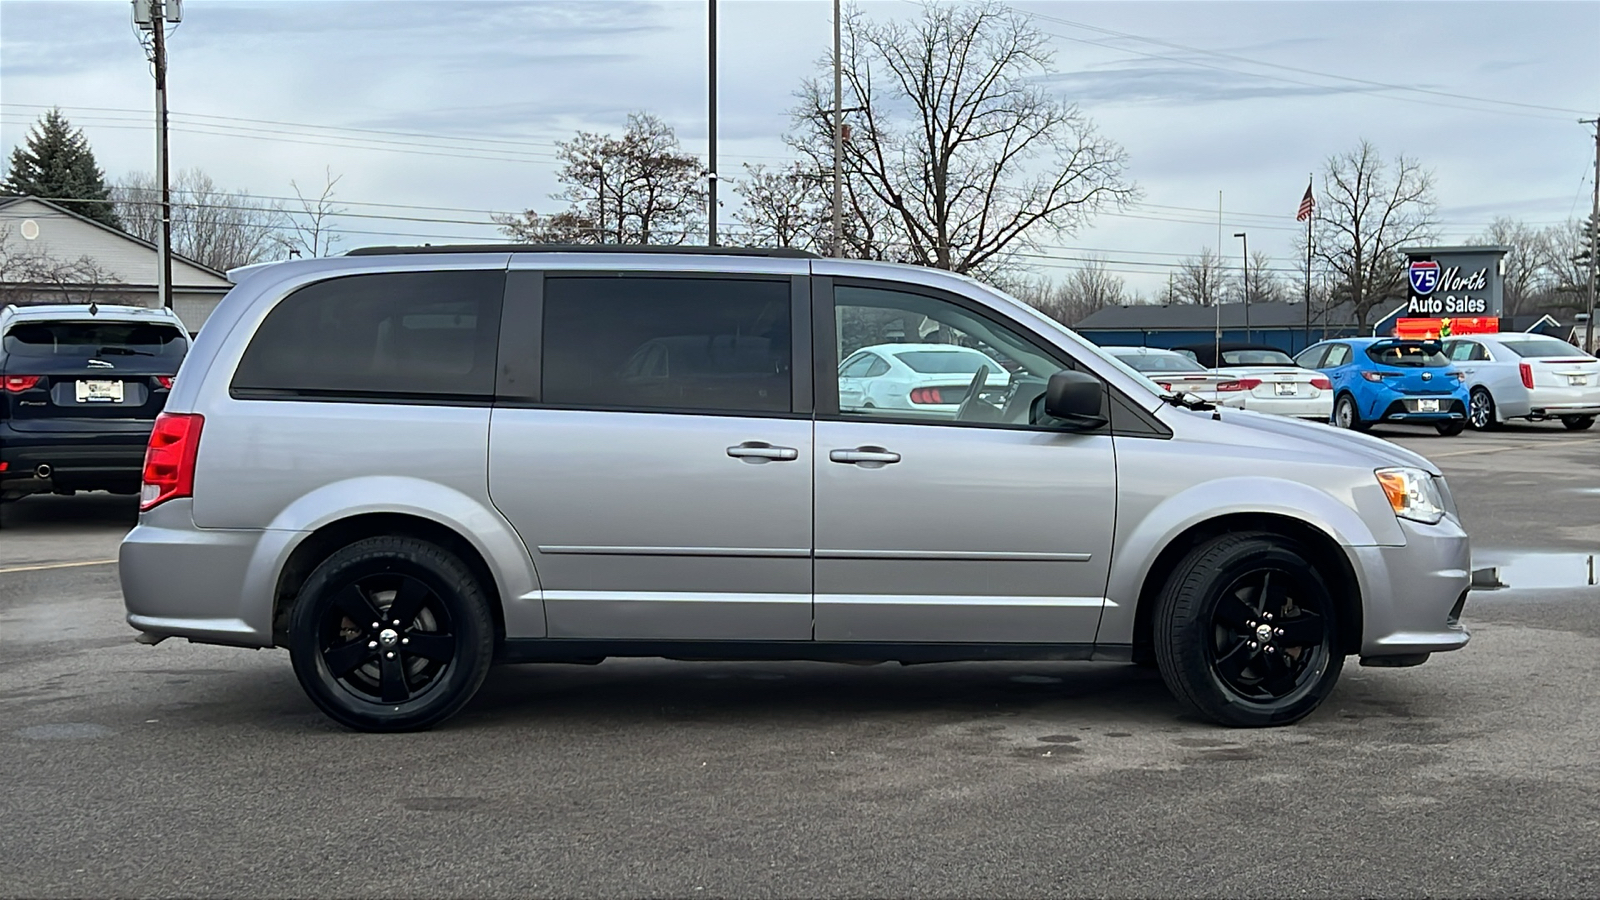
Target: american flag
<point>1307,204</point>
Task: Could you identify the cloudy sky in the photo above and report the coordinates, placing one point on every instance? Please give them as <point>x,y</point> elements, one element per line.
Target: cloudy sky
<point>436,114</point>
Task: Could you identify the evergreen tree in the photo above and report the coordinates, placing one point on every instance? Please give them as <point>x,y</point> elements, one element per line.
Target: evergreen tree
<point>56,164</point>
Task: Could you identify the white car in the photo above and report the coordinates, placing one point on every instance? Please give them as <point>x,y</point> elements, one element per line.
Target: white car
<point>1266,380</point>
<point>930,379</point>
<point>1171,370</point>
<point>1514,375</point>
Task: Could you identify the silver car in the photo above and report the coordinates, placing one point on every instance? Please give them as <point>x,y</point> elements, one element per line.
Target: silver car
<point>405,465</point>
<point>1526,376</point>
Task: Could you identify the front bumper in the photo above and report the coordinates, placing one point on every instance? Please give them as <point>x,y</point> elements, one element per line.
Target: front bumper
<point>1413,595</point>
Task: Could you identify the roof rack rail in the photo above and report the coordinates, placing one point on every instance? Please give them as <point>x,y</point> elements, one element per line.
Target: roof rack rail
<point>773,252</point>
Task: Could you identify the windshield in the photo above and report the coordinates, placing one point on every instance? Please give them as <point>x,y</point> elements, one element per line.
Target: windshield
<point>1409,354</point>
<point>946,362</point>
<point>1256,358</point>
<point>1158,361</point>
<point>1542,348</point>
<point>79,339</point>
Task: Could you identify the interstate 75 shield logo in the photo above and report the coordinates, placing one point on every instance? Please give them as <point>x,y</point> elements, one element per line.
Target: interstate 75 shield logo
<point>1424,277</point>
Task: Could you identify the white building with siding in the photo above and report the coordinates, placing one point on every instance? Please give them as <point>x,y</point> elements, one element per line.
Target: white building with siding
<point>51,254</point>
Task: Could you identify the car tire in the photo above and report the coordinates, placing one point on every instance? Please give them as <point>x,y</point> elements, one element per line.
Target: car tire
<point>372,667</point>
<point>1346,415</point>
<point>1217,601</point>
<point>1450,428</point>
<point>1480,410</point>
<point>1577,423</point>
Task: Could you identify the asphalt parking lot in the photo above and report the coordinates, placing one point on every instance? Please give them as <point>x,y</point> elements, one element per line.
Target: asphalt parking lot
<point>187,770</point>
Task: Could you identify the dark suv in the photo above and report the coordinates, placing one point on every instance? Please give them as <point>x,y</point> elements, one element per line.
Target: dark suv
<point>80,388</point>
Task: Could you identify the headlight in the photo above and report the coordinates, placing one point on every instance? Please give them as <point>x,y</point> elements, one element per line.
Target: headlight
<point>1413,494</point>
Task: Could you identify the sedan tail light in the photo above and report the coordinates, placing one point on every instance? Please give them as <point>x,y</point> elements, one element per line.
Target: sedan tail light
<point>169,459</point>
<point>1527,374</point>
<point>1321,383</point>
<point>1242,384</point>
<point>16,384</point>
<point>1165,386</point>
<point>926,395</point>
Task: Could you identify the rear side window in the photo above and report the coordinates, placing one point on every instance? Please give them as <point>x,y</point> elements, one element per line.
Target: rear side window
<point>1338,355</point>
<point>1312,358</point>
<point>1256,358</point>
<point>400,335</point>
<point>1542,348</point>
<point>690,344</point>
<point>92,339</point>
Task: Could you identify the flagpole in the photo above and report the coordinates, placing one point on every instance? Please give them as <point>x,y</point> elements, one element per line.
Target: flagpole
<point>1310,181</point>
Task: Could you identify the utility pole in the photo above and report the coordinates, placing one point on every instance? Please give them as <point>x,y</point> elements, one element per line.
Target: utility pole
<point>838,138</point>
<point>1594,236</point>
<point>153,16</point>
<point>711,210</point>
<point>1245,280</point>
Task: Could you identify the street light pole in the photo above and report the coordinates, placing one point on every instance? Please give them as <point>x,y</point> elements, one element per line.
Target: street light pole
<point>1246,280</point>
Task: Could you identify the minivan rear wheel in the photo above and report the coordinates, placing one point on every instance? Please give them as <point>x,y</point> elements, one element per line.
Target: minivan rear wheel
<point>1246,632</point>
<point>391,634</point>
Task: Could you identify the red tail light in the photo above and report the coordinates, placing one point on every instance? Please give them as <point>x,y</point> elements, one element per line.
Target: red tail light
<point>1164,385</point>
<point>16,384</point>
<point>1321,383</point>
<point>165,381</point>
<point>926,395</point>
<point>1527,374</point>
<point>169,459</point>
<point>1243,384</point>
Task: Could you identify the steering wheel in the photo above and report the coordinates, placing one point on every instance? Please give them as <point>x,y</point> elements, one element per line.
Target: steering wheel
<point>970,402</point>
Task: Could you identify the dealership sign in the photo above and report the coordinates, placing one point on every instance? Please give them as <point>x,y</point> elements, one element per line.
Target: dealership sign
<point>1447,282</point>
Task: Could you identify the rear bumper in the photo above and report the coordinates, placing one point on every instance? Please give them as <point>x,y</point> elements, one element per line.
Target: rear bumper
<point>87,460</point>
<point>1403,410</point>
<point>1319,408</point>
<point>1413,595</point>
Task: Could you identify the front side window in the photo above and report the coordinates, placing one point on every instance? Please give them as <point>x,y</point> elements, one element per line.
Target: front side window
<point>941,361</point>
<point>423,335</point>
<point>688,344</point>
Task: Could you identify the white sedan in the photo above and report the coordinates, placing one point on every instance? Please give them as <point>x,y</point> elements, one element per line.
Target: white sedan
<point>1171,370</point>
<point>920,379</point>
<point>1266,380</point>
<point>1514,375</point>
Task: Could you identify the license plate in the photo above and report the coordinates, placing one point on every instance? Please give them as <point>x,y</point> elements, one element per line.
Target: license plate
<point>1286,389</point>
<point>1427,406</point>
<point>1577,380</point>
<point>99,392</point>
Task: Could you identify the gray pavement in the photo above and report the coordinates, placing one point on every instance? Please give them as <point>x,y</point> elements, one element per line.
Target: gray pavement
<point>184,770</point>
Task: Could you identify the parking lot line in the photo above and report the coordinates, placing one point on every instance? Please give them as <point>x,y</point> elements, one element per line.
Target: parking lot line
<point>1505,447</point>
<point>60,565</point>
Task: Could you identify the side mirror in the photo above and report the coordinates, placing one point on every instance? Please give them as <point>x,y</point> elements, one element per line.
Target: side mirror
<point>1075,398</point>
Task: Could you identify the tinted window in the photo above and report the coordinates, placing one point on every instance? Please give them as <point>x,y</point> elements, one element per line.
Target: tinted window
<point>1408,354</point>
<point>80,339</point>
<point>1312,358</point>
<point>1256,358</point>
<point>713,344</point>
<point>404,334</point>
<point>1542,348</point>
<point>946,362</point>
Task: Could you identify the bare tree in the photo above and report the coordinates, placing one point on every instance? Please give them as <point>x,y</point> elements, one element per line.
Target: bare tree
<point>789,207</point>
<point>958,156</point>
<point>1523,276</point>
<point>1265,284</point>
<point>217,228</point>
<point>310,231</point>
<point>1369,210</point>
<point>1562,256</point>
<point>1082,293</point>
<point>636,189</point>
<point>1203,280</point>
<point>32,275</point>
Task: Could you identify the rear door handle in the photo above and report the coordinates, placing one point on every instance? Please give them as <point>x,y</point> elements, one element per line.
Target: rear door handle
<point>761,451</point>
<point>865,457</point>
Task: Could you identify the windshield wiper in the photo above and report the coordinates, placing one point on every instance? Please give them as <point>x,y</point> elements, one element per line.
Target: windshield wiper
<point>1185,400</point>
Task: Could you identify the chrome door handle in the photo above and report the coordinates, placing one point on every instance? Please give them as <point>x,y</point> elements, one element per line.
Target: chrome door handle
<point>865,457</point>
<point>761,451</point>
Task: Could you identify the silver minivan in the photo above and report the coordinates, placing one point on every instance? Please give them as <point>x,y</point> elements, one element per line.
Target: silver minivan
<point>406,464</point>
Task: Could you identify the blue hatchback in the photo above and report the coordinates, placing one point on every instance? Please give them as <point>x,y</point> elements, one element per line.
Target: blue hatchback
<point>1390,380</point>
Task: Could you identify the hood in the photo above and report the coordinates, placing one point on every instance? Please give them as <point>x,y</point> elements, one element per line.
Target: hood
<point>1316,437</point>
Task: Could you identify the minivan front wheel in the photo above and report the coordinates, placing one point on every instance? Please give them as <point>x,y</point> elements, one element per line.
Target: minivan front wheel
<point>1246,632</point>
<point>391,634</point>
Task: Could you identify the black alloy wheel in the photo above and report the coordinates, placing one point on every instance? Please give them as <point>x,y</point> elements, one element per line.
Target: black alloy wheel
<point>1577,423</point>
<point>1480,410</point>
<point>1246,632</point>
<point>391,634</point>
